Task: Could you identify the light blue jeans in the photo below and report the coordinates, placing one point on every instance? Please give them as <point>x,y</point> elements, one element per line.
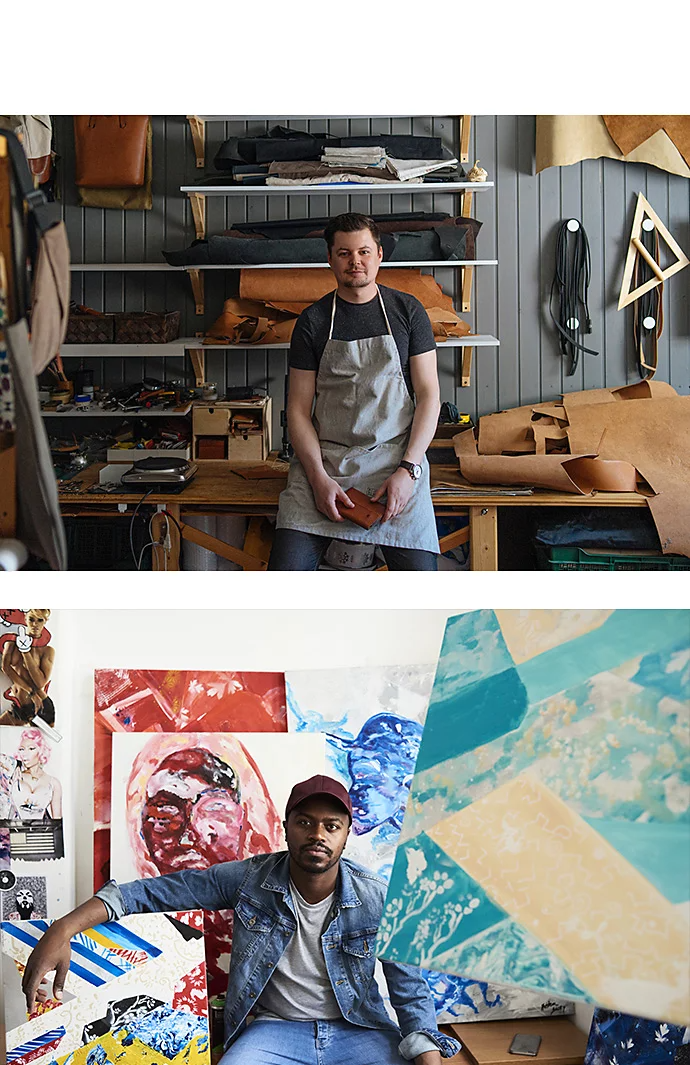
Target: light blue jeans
<point>273,1042</point>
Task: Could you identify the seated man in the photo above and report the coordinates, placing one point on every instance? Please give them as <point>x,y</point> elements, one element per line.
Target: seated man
<point>302,964</point>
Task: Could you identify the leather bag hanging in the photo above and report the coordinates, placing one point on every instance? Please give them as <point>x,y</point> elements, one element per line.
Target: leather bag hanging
<point>110,150</point>
<point>48,253</point>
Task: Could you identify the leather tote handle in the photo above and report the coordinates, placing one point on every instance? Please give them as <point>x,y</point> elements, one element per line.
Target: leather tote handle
<point>121,120</point>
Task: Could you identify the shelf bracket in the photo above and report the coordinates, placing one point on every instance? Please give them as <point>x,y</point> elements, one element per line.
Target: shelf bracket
<point>466,367</point>
<point>467,271</point>
<point>197,279</point>
<point>198,357</point>
<point>465,121</point>
<point>198,202</point>
<point>197,127</point>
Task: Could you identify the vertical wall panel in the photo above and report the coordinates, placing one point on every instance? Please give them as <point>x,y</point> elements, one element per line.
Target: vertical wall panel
<point>520,215</point>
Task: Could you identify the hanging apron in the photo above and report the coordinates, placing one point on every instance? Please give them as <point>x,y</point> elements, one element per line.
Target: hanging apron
<point>362,415</point>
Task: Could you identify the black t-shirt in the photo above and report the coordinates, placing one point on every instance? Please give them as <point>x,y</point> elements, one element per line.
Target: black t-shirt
<point>409,324</point>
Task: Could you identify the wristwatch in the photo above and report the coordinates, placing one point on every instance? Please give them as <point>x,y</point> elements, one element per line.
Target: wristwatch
<point>412,468</point>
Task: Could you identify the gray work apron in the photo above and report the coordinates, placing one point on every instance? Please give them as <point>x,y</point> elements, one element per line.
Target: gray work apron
<point>362,415</point>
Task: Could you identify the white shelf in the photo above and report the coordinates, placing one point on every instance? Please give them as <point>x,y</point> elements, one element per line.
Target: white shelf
<point>109,267</point>
<point>349,189</point>
<point>179,347</point>
<point>112,267</point>
<point>480,340</point>
<point>310,118</point>
<point>96,412</point>
<point>115,351</point>
<point>324,266</point>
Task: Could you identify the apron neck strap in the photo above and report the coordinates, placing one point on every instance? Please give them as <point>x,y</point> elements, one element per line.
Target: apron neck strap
<point>378,293</point>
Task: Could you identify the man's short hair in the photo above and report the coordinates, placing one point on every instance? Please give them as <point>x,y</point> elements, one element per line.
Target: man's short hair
<point>350,223</point>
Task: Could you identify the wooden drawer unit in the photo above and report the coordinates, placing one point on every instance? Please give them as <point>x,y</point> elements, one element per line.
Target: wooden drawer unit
<point>242,427</point>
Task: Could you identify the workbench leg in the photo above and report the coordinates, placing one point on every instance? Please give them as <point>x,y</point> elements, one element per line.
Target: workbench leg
<point>166,559</point>
<point>484,538</point>
<point>258,538</point>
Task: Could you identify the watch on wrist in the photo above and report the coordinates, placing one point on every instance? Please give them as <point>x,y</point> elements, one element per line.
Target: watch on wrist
<point>412,468</point>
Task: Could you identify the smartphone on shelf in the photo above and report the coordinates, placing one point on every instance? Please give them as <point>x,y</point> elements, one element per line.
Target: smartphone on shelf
<point>525,1044</point>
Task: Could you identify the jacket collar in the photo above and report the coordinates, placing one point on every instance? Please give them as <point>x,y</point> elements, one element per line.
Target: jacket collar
<point>278,879</point>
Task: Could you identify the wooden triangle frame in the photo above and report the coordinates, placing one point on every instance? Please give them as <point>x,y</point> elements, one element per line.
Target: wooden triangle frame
<point>636,247</point>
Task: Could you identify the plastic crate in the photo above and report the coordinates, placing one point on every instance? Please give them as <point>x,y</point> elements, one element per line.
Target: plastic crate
<point>579,558</point>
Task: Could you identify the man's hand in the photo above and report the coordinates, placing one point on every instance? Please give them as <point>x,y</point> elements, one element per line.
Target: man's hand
<point>398,489</point>
<point>429,1057</point>
<point>24,641</point>
<point>52,953</point>
<point>326,491</point>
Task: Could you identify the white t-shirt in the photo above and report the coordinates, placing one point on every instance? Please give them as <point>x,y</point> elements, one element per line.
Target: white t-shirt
<point>300,989</point>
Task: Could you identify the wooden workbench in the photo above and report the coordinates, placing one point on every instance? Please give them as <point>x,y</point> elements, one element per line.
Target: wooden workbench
<point>217,490</point>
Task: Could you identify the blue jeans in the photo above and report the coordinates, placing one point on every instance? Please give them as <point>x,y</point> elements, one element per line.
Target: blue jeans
<point>266,1042</point>
<point>296,550</point>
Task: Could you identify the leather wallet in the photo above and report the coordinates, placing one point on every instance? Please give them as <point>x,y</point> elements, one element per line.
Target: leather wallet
<point>364,513</point>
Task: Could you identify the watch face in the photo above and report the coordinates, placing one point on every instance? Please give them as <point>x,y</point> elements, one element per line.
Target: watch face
<point>416,471</point>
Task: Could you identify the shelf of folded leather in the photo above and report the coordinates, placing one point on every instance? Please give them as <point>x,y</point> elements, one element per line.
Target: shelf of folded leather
<point>270,301</point>
<point>630,439</point>
<point>417,240</point>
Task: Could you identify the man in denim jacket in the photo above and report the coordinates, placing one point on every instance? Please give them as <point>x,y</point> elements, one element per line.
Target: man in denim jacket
<point>302,961</point>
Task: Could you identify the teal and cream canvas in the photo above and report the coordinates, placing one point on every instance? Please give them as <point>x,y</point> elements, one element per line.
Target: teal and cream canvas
<point>546,841</point>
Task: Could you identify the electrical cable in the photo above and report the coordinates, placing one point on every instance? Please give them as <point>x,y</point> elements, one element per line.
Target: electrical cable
<point>572,277</point>
<point>131,525</point>
<point>648,316</point>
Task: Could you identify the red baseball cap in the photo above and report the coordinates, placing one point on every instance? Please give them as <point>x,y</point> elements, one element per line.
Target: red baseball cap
<point>318,785</point>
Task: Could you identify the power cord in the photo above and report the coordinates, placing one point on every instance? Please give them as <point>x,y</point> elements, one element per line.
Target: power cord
<point>572,277</point>
<point>131,526</point>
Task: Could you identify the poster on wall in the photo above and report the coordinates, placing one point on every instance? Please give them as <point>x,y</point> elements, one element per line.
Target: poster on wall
<point>135,992</point>
<point>190,801</point>
<point>555,758</point>
<point>173,701</point>
<point>27,660</point>
<point>372,719</point>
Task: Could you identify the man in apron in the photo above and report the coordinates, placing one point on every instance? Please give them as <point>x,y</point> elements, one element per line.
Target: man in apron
<point>357,358</point>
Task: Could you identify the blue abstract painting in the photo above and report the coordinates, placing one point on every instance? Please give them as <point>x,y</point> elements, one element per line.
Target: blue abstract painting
<point>546,841</point>
<point>618,1039</point>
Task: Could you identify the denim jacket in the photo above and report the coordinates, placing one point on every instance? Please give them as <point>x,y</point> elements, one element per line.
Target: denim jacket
<point>258,890</point>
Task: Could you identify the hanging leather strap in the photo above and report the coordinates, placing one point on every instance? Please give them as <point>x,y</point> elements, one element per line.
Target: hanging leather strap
<point>45,214</point>
<point>571,279</point>
<point>649,305</point>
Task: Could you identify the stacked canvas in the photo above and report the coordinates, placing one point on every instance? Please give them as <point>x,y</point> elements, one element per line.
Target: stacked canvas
<point>135,994</point>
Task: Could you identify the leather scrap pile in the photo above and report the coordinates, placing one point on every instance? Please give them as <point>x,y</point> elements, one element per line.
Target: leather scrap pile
<point>270,302</point>
<point>634,438</point>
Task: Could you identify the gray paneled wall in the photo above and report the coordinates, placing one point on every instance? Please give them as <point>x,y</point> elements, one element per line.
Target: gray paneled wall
<point>520,217</point>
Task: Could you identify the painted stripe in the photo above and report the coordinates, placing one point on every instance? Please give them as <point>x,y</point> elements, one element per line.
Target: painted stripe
<point>122,937</point>
<point>40,1041</point>
<point>625,635</point>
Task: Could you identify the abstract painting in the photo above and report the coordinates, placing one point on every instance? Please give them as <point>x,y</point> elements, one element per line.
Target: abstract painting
<point>135,994</point>
<point>188,801</point>
<point>546,842</point>
<point>372,720</point>
<point>617,1039</point>
<point>153,700</point>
